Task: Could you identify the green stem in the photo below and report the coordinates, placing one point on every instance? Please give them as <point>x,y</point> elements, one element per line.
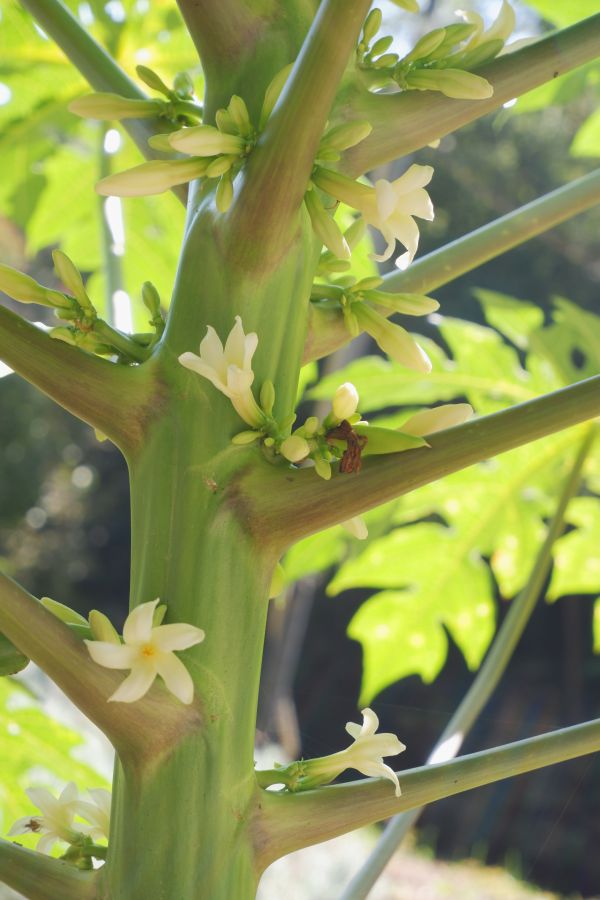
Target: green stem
<point>121,342</point>
<point>490,673</point>
<point>409,120</point>
<point>289,822</point>
<point>268,205</point>
<point>146,729</point>
<point>114,399</point>
<point>98,68</point>
<point>327,331</point>
<point>39,877</point>
<point>296,503</point>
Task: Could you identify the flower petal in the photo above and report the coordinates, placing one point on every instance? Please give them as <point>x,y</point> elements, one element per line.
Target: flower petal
<point>112,656</point>
<point>415,177</point>
<point>176,677</point>
<point>370,722</point>
<point>46,843</point>
<point>137,683</point>
<point>418,203</point>
<point>138,625</point>
<point>406,231</point>
<point>177,637</point>
<point>235,345</point>
<point>211,351</point>
<point>353,730</point>
<point>380,770</point>
<point>386,198</point>
<point>43,799</point>
<point>69,793</point>
<point>22,826</point>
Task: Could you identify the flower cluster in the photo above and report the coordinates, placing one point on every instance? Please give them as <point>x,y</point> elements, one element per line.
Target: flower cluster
<point>57,820</point>
<point>147,651</point>
<point>365,755</point>
<point>216,151</point>
<point>441,60</point>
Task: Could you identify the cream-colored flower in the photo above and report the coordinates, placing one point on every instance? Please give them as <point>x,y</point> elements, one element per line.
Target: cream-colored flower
<point>357,527</point>
<point>428,421</point>
<point>389,206</point>
<point>345,401</point>
<point>501,28</point>
<point>148,651</point>
<point>365,754</point>
<point>97,813</point>
<point>229,368</point>
<point>56,820</point>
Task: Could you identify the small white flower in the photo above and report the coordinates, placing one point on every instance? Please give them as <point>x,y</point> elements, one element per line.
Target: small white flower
<point>365,754</point>
<point>356,526</point>
<point>345,401</point>
<point>229,368</point>
<point>56,820</point>
<point>428,421</point>
<point>97,813</point>
<point>148,651</point>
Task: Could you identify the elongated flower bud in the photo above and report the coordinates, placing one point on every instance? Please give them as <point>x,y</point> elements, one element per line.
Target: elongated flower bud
<point>428,421</point>
<point>344,136</point>
<point>295,448</point>
<point>454,83</point>
<point>24,289</point>
<point>387,440</point>
<point>324,226</point>
<point>205,140</point>
<point>62,612</point>
<point>407,304</point>
<point>239,113</point>
<point>154,177</point>
<point>113,108</point>
<point>345,401</point>
<point>102,628</point>
<point>272,94</point>
<point>393,339</point>
<point>356,526</point>
<point>154,81</point>
<point>71,277</point>
<point>372,25</point>
<point>426,45</point>
<point>224,193</point>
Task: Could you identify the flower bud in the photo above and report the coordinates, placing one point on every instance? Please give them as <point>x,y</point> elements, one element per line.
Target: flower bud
<point>428,421</point>
<point>452,83</point>
<point>311,426</point>
<point>393,339</point>
<point>150,78</point>
<point>426,45</point>
<point>114,108</point>
<point>245,437</point>
<point>295,448</point>
<point>386,61</point>
<point>345,401</point>
<point>238,111</point>
<point>356,527</point>
<point>205,140</point>
<point>267,397</point>
<point>407,304</point>
<point>386,440</point>
<point>272,94</point>
<point>161,142</point>
<point>382,44</point>
<point>372,25</point>
<point>154,177</point>
<point>183,86</point>
<point>24,289</point>
<point>71,278</point>
<point>219,166</point>
<point>64,613</point>
<point>224,193</point>
<point>408,5</point>
<point>102,628</point>
<point>151,299</point>
<point>342,137</point>
<point>323,468</point>
<point>325,227</point>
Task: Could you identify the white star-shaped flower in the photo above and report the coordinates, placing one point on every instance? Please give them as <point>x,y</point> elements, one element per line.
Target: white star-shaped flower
<point>97,813</point>
<point>367,752</point>
<point>56,820</point>
<point>229,368</point>
<point>148,651</point>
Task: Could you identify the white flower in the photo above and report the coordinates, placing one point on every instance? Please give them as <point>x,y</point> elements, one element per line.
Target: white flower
<point>148,652</point>
<point>56,820</point>
<point>365,754</point>
<point>97,813</point>
<point>428,421</point>
<point>229,368</point>
<point>357,527</point>
<point>345,401</point>
<point>295,448</point>
<point>389,206</point>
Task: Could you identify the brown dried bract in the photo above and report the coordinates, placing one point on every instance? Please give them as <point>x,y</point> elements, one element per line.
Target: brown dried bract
<point>351,459</point>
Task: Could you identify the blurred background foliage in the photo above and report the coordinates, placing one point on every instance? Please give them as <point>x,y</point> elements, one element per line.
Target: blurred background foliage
<point>402,620</point>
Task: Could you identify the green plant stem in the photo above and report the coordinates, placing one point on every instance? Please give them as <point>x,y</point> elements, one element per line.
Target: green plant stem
<point>266,210</point>
<point>289,822</point>
<point>39,877</point>
<point>99,69</point>
<point>406,121</point>
<point>145,730</point>
<point>113,399</point>
<point>327,330</point>
<point>486,680</point>
<point>121,342</point>
<point>295,503</point>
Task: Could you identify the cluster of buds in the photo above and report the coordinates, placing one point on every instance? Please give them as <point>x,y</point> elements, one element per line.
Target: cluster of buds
<point>441,60</point>
<point>86,329</point>
<point>359,302</point>
<point>216,152</point>
<point>57,823</point>
<point>178,108</point>
<point>365,755</point>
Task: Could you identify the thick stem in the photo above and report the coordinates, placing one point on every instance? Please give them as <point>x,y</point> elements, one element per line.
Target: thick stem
<point>492,669</point>
<point>297,503</point>
<point>39,877</point>
<point>266,211</point>
<point>114,399</point>
<point>288,822</point>
<point>406,121</point>
<point>98,68</point>
<point>146,729</point>
<point>326,328</point>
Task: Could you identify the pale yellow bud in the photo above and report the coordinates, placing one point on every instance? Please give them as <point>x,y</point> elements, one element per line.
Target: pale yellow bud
<point>272,94</point>
<point>205,140</point>
<point>62,612</point>
<point>344,136</point>
<point>295,448</point>
<point>427,44</point>
<point>428,421</point>
<point>70,276</point>
<point>102,628</point>
<point>345,401</point>
<point>24,289</point>
<point>239,113</point>
<point>393,339</point>
<point>114,108</point>
<point>325,227</point>
<point>454,83</point>
<point>154,177</point>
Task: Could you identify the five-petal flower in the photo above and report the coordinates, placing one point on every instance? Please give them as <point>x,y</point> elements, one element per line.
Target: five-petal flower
<point>56,820</point>
<point>148,651</point>
<point>229,368</point>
